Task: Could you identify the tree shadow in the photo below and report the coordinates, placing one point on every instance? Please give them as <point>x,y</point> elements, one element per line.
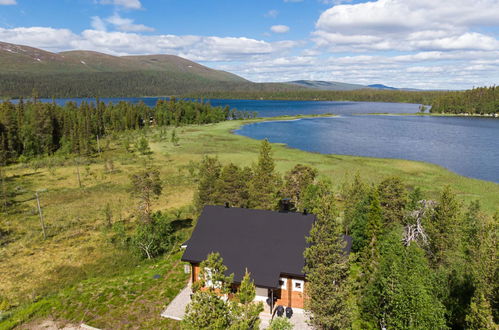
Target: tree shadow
<point>181,224</point>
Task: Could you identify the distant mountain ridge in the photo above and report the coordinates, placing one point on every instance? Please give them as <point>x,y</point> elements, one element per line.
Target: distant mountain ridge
<point>339,86</point>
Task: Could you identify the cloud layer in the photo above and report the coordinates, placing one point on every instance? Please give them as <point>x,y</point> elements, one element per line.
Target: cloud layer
<point>406,43</point>
<point>408,25</point>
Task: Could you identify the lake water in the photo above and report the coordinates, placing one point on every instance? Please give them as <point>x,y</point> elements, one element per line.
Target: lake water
<point>467,146</point>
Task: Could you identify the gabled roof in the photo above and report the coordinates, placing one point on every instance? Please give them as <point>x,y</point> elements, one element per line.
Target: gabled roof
<point>268,243</point>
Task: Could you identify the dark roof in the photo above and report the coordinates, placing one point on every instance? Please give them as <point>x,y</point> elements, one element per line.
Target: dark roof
<point>267,243</point>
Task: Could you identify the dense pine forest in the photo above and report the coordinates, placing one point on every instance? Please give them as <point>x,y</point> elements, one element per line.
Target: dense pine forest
<point>476,101</point>
<point>122,84</point>
<point>416,263</point>
<point>29,129</point>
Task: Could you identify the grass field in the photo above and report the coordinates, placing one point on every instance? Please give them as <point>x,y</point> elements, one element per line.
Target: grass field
<point>77,274</point>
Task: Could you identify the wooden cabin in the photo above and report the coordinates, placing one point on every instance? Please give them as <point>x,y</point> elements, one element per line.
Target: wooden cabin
<point>270,244</point>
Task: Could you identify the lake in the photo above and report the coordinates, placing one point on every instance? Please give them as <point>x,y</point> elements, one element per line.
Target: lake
<point>466,145</point>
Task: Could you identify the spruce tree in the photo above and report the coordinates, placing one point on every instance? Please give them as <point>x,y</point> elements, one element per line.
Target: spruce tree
<point>209,172</point>
<point>393,199</point>
<point>354,195</point>
<point>401,294</point>
<point>326,265</point>
<point>480,314</point>
<point>231,187</point>
<point>443,228</point>
<point>370,254</point>
<point>264,184</point>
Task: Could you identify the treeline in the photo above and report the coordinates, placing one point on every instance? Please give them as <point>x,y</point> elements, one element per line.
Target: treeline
<point>360,95</point>
<point>480,101</point>
<point>144,83</point>
<point>416,263</point>
<point>29,129</point>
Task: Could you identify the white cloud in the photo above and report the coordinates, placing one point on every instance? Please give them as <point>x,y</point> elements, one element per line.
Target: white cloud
<point>129,4</point>
<point>125,24</point>
<point>7,2</point>
<point>97,23</point>
<point>272,13</point>
<point>41,37</point>
<point>279,28</point>
<point>199,48</point>
<point>407,25</point>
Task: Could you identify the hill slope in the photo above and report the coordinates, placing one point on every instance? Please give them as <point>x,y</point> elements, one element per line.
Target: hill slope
<point>327,85</point>
<point>28,60</point>
<point>25,71</point>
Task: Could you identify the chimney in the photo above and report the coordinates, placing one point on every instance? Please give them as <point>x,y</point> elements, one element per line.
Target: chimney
<point>285,205</point>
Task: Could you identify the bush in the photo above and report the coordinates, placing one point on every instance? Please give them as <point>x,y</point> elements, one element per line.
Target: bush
<point>280,323</point>
<point>153,238</point>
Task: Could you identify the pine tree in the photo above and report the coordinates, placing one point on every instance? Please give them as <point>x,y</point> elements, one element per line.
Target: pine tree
<point>245,310</point>
<point>212,275</point>
<point>263,186</point>
<point>146,185</point>
<point>209,309</point>
<point>326,266</point>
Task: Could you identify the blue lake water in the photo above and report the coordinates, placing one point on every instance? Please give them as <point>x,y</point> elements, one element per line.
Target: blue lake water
<point>467,146</point>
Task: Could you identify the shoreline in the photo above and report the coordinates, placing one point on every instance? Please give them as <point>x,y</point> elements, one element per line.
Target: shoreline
<point>299,117</point>
<point>493,116</point>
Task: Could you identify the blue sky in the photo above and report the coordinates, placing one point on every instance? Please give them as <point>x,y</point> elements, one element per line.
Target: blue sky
<point>404,43</point>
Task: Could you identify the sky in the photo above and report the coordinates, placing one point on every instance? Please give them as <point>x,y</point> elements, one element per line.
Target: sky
<point>428,44</point>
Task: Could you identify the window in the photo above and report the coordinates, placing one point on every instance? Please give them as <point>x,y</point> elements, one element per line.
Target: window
<point>298,285</point>
<point>208,279</point>
<point>283,283</point>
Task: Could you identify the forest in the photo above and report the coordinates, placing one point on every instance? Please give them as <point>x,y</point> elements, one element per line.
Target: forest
<point>361,95</point>
<point>121,84</point>
<point>416,263</point>
<point>476,101</point>
<point>30,129</point>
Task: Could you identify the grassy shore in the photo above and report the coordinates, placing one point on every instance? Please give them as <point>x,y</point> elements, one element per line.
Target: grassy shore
<point>76,274</point>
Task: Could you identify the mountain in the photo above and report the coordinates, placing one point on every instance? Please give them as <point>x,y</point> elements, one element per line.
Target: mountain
<point>340,86</point>
<point>326,85</point>
<point>23,59</point>
<point>381,86</point>
<point>27,71</point>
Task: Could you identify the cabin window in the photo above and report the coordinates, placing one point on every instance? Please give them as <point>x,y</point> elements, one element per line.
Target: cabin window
<point>298,285</point>
<point>208,279</point>
<point>283,283</point>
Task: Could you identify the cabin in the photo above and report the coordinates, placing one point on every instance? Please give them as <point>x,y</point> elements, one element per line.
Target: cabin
<point>270,244</point>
